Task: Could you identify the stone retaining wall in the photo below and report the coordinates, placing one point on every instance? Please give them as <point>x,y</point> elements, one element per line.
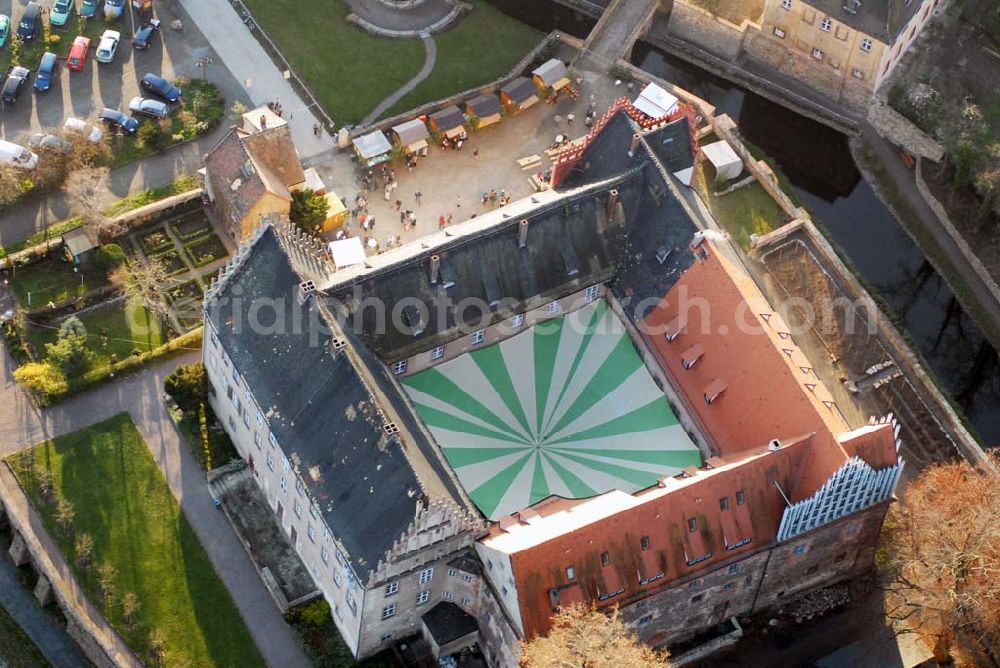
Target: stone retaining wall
<point>898,129</point>
<point>85,624</point>
<point>956,236</point>
<point>711,32</point>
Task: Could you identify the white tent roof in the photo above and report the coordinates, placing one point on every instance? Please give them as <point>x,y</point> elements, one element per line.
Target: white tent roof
<point>550,71</point>
<point>411,131</point>
<point>347,252</point>
<point>655,102</point>
<point>372,144</point>
<point>725,160</point>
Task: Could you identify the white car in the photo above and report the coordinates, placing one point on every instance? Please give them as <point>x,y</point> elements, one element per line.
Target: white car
<point>108,46</point>
<point>17,155</point>
<point>92,133</point>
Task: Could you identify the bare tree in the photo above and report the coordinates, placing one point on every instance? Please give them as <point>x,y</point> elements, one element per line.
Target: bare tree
<point>130,607</point>
<point>157,646</point>
<point>84,550</point>
<point>106,574</point>
<point>87,189</point>
<point>585,637</point>
<point>65,515</point>
<point>942,555</point>
<point>46,484</point>
<point>143,280</point>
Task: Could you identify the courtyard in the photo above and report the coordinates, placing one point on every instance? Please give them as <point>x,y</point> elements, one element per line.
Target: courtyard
<point>121,500</point>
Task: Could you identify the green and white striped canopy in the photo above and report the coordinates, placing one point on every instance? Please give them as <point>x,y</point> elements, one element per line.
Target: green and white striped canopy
<point>564,408</point>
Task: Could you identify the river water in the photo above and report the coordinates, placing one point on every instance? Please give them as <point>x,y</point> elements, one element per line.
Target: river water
<point>819,165</point>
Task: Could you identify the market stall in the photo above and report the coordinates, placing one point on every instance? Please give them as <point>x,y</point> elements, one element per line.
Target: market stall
<point>486,108</point>
<point>336,213</point>
<point>411,136</point>
<point>656,102</point>
<point>551,74</point>
<point>724,160</point>
<point>450,122</point>
<point>372,148</point>
<point>519,94</point>
<point>347,252</point>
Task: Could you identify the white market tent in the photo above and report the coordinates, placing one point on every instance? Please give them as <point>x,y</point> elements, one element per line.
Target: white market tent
<point>725,160</point>
<point>411,135</point>
<point>656,102</point>
<point>347,252</point>
<point>551,74</point>
<point>373,147</point>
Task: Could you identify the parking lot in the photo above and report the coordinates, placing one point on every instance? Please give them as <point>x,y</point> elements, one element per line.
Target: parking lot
<point>172,54</point>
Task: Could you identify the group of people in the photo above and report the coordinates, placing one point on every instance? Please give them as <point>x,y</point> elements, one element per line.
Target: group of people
<point>455,143</point>
<point>493,198</point>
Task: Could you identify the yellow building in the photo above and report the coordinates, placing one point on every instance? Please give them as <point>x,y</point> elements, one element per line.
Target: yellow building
<point>843,48</point>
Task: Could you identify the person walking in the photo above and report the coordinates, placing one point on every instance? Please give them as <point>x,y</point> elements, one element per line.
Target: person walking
<point>399,203</point>
<point>417,195</point>
<point>316,130</point>
<point>475,154</point>
<point>441,222</point>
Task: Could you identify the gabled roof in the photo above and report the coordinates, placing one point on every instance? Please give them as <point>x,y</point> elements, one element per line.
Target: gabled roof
<point>484,105</point>
<point>672,145</point>
<point>449,118</point>
<point>410,132</point>
<point>520,89</point>
<point>319,410</point>
<point>550,71</point>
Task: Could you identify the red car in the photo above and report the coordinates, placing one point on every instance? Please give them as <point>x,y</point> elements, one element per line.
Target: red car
<point>78,53</point>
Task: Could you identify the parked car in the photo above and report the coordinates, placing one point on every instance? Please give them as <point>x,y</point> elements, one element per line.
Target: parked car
<point>77,57</point>
<point>88,8</point>
<point>41,142</point>
<point>160,87</point>
<point>118,119</point>
<point>17,155</point>
<point>15,81</point>
<point>107,47</point>
<point>113,8</point>
<point>91,132</point>
<point>145,34</point>
<point>28,25</point>
<point>154,108</point>
<point>59,14</point>
<point>46,71</point>
<point>4,28</point>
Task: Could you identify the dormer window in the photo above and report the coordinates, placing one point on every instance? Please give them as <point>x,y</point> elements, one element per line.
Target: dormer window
<point>692,524</point>
<point>714,390</point>
<point>644,543</point>
<point>692,355</point>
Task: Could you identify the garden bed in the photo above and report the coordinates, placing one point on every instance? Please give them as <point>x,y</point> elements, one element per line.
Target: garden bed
<point>172,262</point>
<point>743,212</point>
<point>191,226</point>
<point>206,250</point>
<point>155,240</point>
<point>121,500</point>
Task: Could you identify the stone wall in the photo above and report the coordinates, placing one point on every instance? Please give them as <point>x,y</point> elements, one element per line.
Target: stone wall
<point>711,32</point>
<point>898,129</point>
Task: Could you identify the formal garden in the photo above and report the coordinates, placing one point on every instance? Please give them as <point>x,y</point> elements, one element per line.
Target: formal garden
<point>330,54</point>
<point>104,500</point>
<point>126,303</point>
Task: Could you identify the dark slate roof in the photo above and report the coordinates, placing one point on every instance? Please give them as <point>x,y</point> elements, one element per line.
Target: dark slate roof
<point>483,105</point>
<point>882,19</point>
<point>520,89</point>
<point>224,164</point>
<point>318,409</point>
<point>448,118</point>
<point>672,145</point>
<point>448,622</point>
<point>572,244</point>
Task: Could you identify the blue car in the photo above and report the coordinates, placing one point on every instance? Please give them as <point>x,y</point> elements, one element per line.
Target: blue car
<point>161,88</point>
<point>117,119</point>
<point>113,8</point>
<point>46,70</point>
<point>88,8</point>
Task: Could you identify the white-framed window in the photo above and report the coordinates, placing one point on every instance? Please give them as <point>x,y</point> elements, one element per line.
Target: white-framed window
<point>437,353</point>
<point>786,4</point>
<point>452,572</point>
<point>866,45</point>
<point>299,487</point>
<point>858,73</point>
<point>352,605</point>
<point>391,588</point>
<point>478,336</point>
<point>270,462</point>
<point>592,292</point>
<point>215,339</point>
<point>447,595</point>
<point>325,555</point>
<point>825,25</point>
<point>517,320</point>
<point>817,54</point>
<point>340,559</point>
<point>426,575</point>
<point>284,485</point>
<point>741,497</point>
<point>554,307</point>
<point>285,464</point>
<point>213,362</point>
<point>648,618</point>
<point>311,530</point>
<point>260,418</point>
<point>336,578</point>
<point>570,573</point>
<point>246,420</point>
<point>313,513</point>
<point>256,439</point>
<point>800,549</point>
<point>466,578</point>
<point>272,440</point>
<point>388,611</point>
<point>225,386</point>
<point>326,535</point>
<point>779,33</point>
<point>466,600</point>
<point>399,367</point>
<point>422,597</point>
<point>236,376</point>
<point>734,568</point>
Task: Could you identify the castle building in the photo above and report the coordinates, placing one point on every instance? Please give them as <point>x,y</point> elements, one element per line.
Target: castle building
<point>578,397</point>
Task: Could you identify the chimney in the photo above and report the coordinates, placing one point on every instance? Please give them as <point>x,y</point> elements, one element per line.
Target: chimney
<point>305,291</point>
<point>522,233</point>
<point>634,146</point>
<point>263,122</point>
<point>774,445</point>
<point>612,203</point>
<point>435,267</point>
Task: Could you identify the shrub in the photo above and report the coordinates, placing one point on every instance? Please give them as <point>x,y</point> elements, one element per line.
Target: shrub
<point>308,210</point>
<point>108,256</point>
<point>53,40</point>
<point>70,352</point>
<point>151,135</point>
<point>42,379</point>
<point>187,386</point>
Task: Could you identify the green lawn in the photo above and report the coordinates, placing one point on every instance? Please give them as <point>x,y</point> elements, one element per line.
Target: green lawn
<point>483,46</point>
<point>16,649</point>
<point>53,280</point>
<point>129,326</point>
<point>351,71</point>
<point>749,210</point>
<point>122,501</point>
